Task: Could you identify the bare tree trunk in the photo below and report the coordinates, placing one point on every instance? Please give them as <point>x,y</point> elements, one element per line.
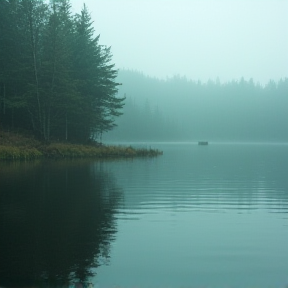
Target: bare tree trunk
<point>12,120</point>
<point>48,126</point>
<point>44,126</point>
<point>32,119</point>
<point>4,98</point>
<point>33,47</point>
<point>66,127</point>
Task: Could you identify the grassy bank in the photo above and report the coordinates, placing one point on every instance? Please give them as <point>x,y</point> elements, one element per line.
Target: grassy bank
<point>19,147</point>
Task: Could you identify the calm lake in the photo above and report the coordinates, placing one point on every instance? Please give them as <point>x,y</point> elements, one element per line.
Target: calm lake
<point>197,216</point>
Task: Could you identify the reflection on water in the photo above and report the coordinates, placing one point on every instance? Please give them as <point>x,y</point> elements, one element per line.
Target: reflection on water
<point>57,220</point>
<point>217,177</point>
<point>213,216</point>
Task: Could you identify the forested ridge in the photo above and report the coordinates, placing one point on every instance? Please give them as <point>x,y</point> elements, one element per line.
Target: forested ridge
<point>181,109</point>
<point>56,80</point>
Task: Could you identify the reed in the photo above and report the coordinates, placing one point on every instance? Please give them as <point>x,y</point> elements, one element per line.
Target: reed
<point>19,147</point>
<point>19,153</point>
<point>63,150</point>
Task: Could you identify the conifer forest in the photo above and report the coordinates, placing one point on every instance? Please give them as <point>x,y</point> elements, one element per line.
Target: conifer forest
<point>56,80</point>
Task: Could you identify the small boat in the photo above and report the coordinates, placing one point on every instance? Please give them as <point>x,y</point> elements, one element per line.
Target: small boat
<point>203,143</point>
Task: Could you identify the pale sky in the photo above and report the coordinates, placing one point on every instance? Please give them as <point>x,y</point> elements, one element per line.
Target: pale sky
<point>199,39</point>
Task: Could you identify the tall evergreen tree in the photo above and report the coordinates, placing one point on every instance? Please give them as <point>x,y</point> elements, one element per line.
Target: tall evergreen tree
<point>95,80</point>
<point>59,93</point>
<point>35,16</point>
<point>11,62</point>
<point>55,77</point>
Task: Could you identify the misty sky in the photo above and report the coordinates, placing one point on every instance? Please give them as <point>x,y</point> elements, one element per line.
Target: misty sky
<point>200,39</point>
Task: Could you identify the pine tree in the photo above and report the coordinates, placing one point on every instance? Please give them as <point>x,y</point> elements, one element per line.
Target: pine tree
<point>34,20</point>
<point>11,63</point>
<point>96,80</point>
<point>59,93</point>
<point>55,78</point>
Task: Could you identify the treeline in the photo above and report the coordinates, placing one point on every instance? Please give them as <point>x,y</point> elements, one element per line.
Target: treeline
<point>239,110</point>
<point>55,78</point>
<point>142,121</point>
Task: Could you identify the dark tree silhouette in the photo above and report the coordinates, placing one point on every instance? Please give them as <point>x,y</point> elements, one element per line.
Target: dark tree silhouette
<point>55,78</point>
<point>56,222</point>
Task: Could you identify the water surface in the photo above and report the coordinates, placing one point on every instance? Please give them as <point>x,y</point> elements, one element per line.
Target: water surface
<point>198,216</point>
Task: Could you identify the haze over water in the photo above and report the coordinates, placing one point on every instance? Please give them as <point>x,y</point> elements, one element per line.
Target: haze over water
<point>201,40</point>
<point>198,216</point>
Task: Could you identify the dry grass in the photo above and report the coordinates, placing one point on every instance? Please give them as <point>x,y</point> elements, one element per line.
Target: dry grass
<point>18,147</point>
<point>63,150</point>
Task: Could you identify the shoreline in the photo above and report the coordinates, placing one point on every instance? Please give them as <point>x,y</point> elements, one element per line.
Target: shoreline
<point>15,147</point>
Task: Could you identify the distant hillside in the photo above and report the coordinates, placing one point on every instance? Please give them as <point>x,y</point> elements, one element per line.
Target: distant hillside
<point>180,109</point>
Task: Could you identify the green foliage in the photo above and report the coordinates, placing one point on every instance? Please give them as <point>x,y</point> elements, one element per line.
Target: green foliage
<point>96,83</point>
<point>60,82</point>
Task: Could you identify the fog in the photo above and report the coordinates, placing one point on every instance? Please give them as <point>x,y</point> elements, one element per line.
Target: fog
<point>180,109</point>
<point>202,40</point>
<point>197,70</point>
